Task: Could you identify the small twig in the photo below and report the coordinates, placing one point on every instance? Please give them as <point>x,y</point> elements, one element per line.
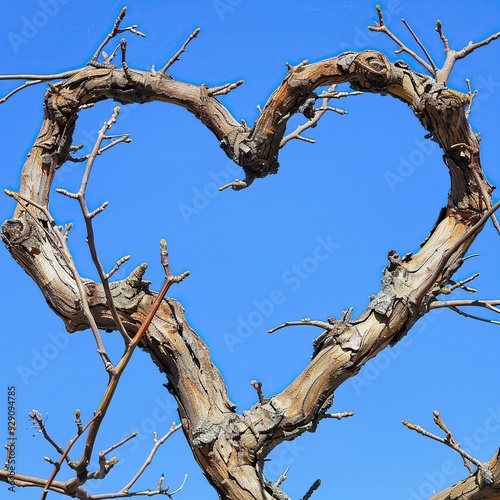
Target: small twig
<point>17,89</point>
<point>318,113</point>
<point>340,415</point>
<point>312,489</point>
<point>191,37</point>
<point>421,45</point>
<point>149,459</point>
<point>122,364</point>
<point>452,56</point>
<point>303,322</point>
<point>449,441</point>
<point>126,70</point>
<point>237,185</point>
<point>472,316</point>
<point>117,266</point>
<point>381,27</point>
<point>42,78</point>
<point>223,89</point>
<point>461,284</point>
<point>57,467</point>
<point>36,416</point>
<point>471,97</point>
<point>258,387</point>
<point>115,31</point>
<point>282,478</point>
<point>76,276</point>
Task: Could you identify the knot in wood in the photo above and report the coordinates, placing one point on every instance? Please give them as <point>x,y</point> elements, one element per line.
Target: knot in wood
<point>373,71</point>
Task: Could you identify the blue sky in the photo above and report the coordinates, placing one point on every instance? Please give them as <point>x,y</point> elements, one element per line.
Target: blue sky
<point>371,183</point>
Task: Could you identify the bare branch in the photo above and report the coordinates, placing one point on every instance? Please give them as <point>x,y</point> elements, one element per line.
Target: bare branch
<point>453,56</point>
<point>381,27</point>
<point>421,45</point>
<point>450,441</point>
<point>303,322</point>
<point>312,489</point>
<point>115,31</point>
<point>176,56</point>
<point>149,459</point>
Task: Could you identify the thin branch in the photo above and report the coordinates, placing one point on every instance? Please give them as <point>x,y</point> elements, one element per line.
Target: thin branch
<point>42,78</point>
<point>449,441</point>
<point>461,284</point>
<point>17,89</point>
<point>191,37</point>
<point>115,31</point>
<point>64,455</point>
<point>282,478</point>
<point>381,27</point>
<point>421,45</point>
<point>472,316</point>
<point>71,264</point>
<point>149,459</point>
<point>122,364</point>
<point>452,56</point>
<point>303,322</point>
<point>312,489</point>
<point>471,97</point>
<point>36,416</point>
<point>340,415</point>
<point>258,387</point>
<point>223,89</point>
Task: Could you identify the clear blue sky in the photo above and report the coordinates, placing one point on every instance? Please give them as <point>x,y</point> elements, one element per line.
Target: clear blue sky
<point>371,183</point>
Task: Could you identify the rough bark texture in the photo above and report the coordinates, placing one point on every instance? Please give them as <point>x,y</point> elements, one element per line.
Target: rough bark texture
<point>230,447</point>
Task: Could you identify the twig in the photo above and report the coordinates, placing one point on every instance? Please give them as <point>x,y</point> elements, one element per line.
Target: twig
<point>282,478</point>
<point>17,89</point>
<point>64,455</point>
<point>76,276</point>
<point>149,459</point>
<point>258,387</point>
<point>421,45</point>
<point>449,441</point>
<point>461,284</point>
<point>191,37</point>
<point>122,364</point>
<point>452,56</point>
<point>340,415</point>
<point>471,97</point>
<point>114,31</point>
<point>312,489</point>
<point>42,78</point>
<point>381,27</point>
<point>36,416</point>
<point>467,315</point>
<point>88,216</point>
<point>318,113</point>
<point>223,89</point>
<point>126,70</point>
<point>237,185</point>
<point>303,322</point>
